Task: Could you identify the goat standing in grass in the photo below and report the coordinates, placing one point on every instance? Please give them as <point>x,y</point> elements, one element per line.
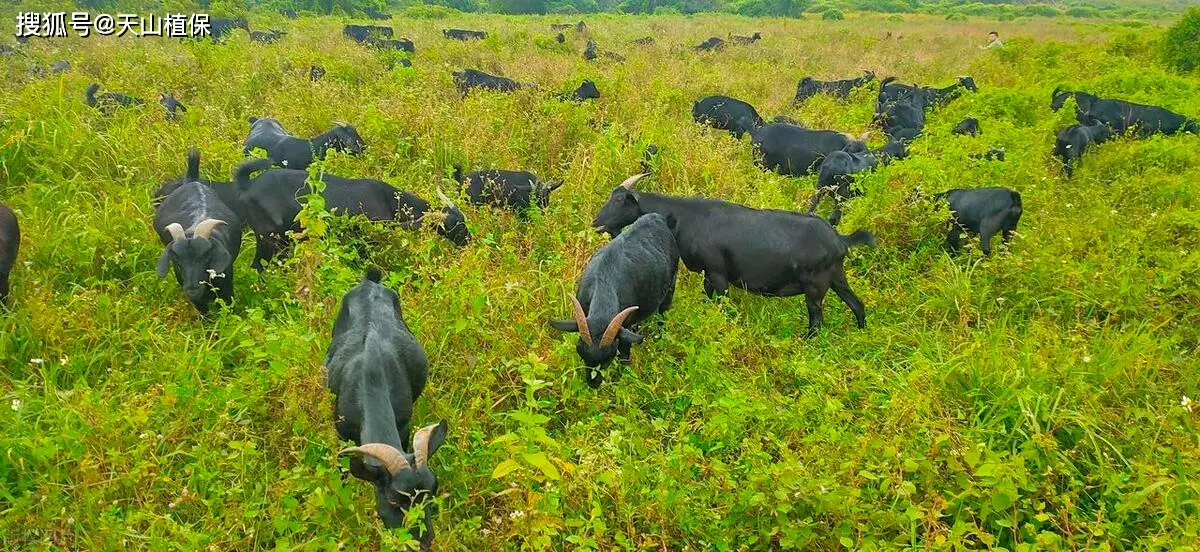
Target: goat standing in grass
<point>377,369</point>
<point>201,238</point>
<point>10,243</point>
<point>298,153</point>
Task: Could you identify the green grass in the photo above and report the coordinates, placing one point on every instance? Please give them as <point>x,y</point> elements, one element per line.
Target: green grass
<point>1027,401</point>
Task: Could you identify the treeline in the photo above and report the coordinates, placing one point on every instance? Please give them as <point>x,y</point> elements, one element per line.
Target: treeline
<point>953,9</point>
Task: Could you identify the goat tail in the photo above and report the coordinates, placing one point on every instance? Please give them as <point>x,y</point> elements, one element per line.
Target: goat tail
<point>241,176</point>
<point>373,274</point>
<point>90,94</point>
<point>1016,202</point>
<point>860,237</point>
<point>193,164</point>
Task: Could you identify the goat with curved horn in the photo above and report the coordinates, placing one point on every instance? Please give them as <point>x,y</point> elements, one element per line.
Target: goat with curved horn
<point>176,231</point>
<point>391,458</point>
<point>614,326</point>
<point>205,228</point>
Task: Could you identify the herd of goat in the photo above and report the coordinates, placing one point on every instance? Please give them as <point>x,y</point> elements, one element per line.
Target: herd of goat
<point>377,368</point>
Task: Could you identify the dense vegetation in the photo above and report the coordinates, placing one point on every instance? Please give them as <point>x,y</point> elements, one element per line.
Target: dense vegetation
<point>1032,400</point>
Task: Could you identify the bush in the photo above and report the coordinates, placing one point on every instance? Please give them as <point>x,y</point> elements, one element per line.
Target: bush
<point>955,16</point>
<point>833,15</point>
<point>1083,11</point>
<point>1181,46</point>
<point>564,10</point>
<point>895,18</point>
<point>1040,10</point>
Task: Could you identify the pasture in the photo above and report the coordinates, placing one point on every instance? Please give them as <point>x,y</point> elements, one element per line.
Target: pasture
<point>1033,399</point>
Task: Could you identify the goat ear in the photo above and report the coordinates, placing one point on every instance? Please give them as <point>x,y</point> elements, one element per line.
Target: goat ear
<point>164,262</point>
<point>630,337</point>
<point>569,326</point>
<point>220,257</point>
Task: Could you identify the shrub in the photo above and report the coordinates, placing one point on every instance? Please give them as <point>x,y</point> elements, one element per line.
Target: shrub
<point>1181,46</point>
<point>564,10</point>
<point>1083,11</point>
<point>955,16</point>
<point>895,18</point>
<point>833,15</point>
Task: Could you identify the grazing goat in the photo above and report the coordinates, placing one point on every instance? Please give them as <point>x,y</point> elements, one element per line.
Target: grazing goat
<point>271,202</point>
<point>202,237</point>
<point>768,252</point>
<point>982,211</point>
<point>1121,115</point>
<point>516,190</point>
<point>725,113</point>
<point>363,33</point>
<point>374,13</point>
<point>469,79</point>
<point>587,91</point>
<point>460,34</point>
<point>624,283</point>
<point>968,127</point>
<point>266,37</point>
<point>808,87</point>
<point>60,66</point>
<point>560,38</point>
<point>316,73</point>
<point>10,243</point>
<point>713,43</point>
<point>173,106</point>
<point>109,100</point>
<point>791,150</point>
<point>298,153</point>
<point>1072,141</point>
<point>745,39</point>
<point>225,189</point>
<point>837,174</point>
<point>377,369</point>
<point>644,41</point>
<point>220,27</point>
<point>890,91</point>
<point>994,154</point>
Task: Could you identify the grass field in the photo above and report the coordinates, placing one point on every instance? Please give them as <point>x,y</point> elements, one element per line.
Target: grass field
<point>1032,400</point>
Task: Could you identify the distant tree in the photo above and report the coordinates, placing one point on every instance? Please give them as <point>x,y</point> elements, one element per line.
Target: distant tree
<point>518,6</point>
<point>1181,45</point>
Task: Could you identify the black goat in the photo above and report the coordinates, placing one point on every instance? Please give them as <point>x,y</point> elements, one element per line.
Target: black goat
<point>468,79</point>
<point>837,174</point>
<point>624,283</point>
<point>791,150</point>
<point>10,244</point>
<point>316,73</point>
<point>290,14</point>
<point>593,51</point>
<point>374,13</point>
<point>649,155</point>
<point>890,91</point>
<point>644,41</point>
<point>1072,141</point>
<point>725,113</point>
<point>202,237</point>
<point>713,43</point>
<point>968,127</point>
<point>109,100</point>
<point>560,38</point>
<point>271,202</point>
<point>767,252</point>
<point>401,45</point>
<point>266,37</point>
<point>587,91</point>
<point>172,105</point>
<point>994,154</point>
<point>219,28</point>
<point>460,34</point>
<point>983,211</point>
<point>362,33</point>
<point>377,369</point>
<point>808,87</point>
<point>60,66</point>
<point>516,190</point>
<point>1121,115</point>
<point>298,153</point>
<point>225,189</point>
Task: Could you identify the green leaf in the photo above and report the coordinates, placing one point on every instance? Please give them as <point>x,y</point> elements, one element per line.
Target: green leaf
<point>847,542</point>
<point>504,468</point>
<point>540,461</point>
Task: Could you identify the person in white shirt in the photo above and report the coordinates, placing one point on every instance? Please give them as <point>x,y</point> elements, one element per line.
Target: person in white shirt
<point>993,41</point>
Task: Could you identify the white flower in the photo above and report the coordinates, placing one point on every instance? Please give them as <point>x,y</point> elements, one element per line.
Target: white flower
<point>1186,403</point>
<point>36,361</point>
<point>516,514</point>
<point>63,361</point>
<point>1068,206</point>
<point>1087,359</point>
<point>16,404</point>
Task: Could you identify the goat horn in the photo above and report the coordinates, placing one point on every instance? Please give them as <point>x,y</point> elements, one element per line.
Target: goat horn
<point>176,231</point>
<point>442,196</point>
<point>610,333</point>
<point>392,459</point>
<point>421,444</point>
<point>863,137</point>
<point>581,319</point>
<point>629,182</point>
<point>205,228</point>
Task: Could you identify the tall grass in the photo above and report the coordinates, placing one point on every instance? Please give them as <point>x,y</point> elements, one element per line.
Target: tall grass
<point>1031,400</point>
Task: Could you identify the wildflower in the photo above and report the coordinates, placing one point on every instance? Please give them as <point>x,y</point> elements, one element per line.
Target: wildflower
<point>16,404</point>
<point>1087,359</point>
<point>63,361</point>
<point>1186,403</point>
<point>516,514</point>
<point>37,361</point>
